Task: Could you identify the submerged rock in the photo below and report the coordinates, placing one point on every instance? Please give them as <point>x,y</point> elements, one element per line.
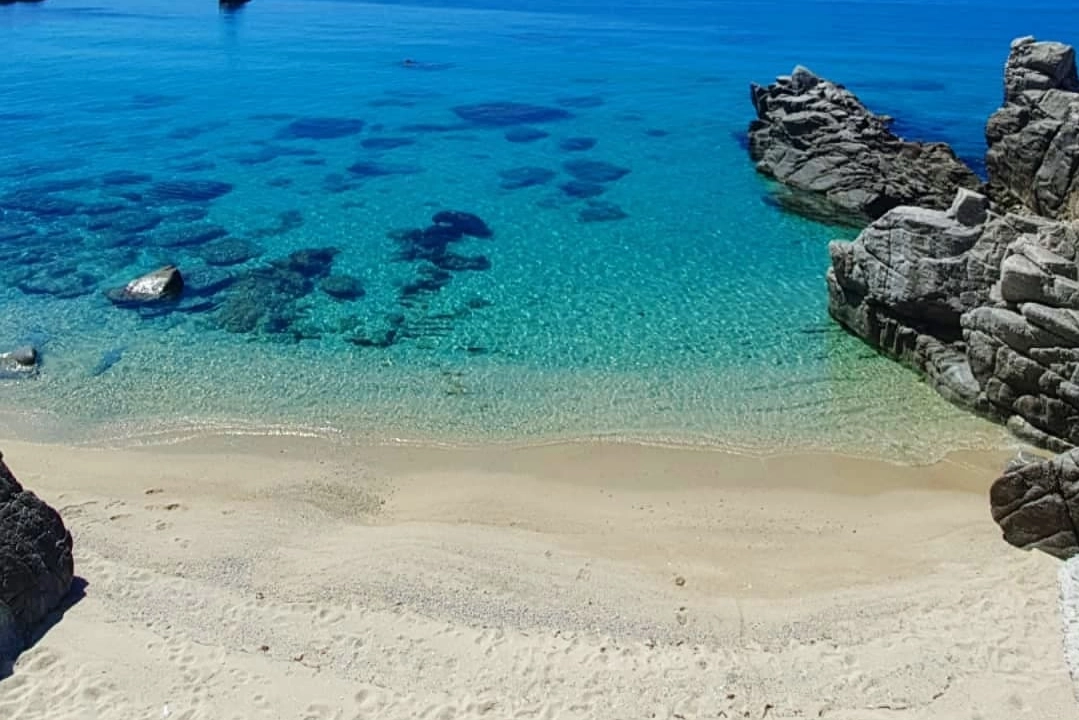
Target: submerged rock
<point>504,114</point>
<point>161,285</point>
<point>818,139</point>
<point>342,287</point>
<point>36,563</point>
<point>321,128</point>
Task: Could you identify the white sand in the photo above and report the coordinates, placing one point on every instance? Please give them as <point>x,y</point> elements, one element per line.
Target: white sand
<point>257,578</point>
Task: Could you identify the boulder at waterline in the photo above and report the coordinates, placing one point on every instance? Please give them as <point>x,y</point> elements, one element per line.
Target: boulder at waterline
<point>18,363</point>
<point>161,285</point>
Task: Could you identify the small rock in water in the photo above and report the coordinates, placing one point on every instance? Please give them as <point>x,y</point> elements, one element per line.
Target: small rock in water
<point>522,177</point>
<point>601,211</point>
<point>160,285</point>
<point>578,144</point>
<point>522,135</point>
<point>463,222</point>
<point>581,189</point>
<point>595,171</point>
<point>342,287</point>
<point>504,114</point>
<point>20,362</point>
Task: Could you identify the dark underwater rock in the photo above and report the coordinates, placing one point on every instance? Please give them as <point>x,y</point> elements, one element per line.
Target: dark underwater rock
<point>522,177</point>
<point>186,191</point>
<point>161,285</point>
<point>187,234</point>
<point>342,287</point>
<point>818,139</point>
<point>581,189</point>
<point>429,279</point>
<point>268,152</point>
<point>308,262</point>
<point>189,214</point>
<point>461,263</point>
<point>386,143</point>
<point>321,128</point>
<point>58,281</point>
<point>45,206</point>
<point>36,562</point>
<point>369,169</point>
<point>582,101</point>
<point>464,222</point>
<point>601,211</point>
<point>287,221</point>
<point>504,114</point>
<point>658,133</point>
<point>523,135</point>
<point>127,221</point>
<point>228,251</point>
<point>577,144</point>
<point>595,171</point>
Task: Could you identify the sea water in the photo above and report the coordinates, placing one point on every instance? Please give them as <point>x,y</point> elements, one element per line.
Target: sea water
<point>649,293</point>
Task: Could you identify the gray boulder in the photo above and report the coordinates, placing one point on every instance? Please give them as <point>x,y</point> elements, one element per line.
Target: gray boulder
<point>1033,156</point>
<point>1037,505</point>
<point>36,565</point>
<point>838,161</point>
<point>163,284</point>
<point>18,363</point>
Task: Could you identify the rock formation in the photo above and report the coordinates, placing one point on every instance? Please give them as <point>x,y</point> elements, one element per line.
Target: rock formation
<point>1037,505</point>
<point>983,297</point>
<point>839,161</point>
<point>1033,157</point>
<point>36,566</point>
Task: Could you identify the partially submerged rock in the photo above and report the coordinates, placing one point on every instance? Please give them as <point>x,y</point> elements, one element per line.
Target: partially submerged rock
<point>840,161</point>
<point>163,284</point>
<point>17,363</point>
<point>36,565</point>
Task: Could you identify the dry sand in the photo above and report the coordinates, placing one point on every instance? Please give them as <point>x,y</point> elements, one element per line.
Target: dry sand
<point>285,578</point>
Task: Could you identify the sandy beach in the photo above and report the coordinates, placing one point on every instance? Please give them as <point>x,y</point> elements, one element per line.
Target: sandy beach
<point>291,578</point>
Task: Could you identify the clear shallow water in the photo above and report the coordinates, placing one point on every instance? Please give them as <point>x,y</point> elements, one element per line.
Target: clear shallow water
<point>698,317</point>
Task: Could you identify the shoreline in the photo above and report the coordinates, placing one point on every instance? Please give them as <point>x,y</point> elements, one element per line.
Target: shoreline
<point>38,428</point>
<point>292,577</point>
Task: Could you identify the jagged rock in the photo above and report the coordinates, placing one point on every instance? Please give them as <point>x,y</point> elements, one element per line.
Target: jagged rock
<point>1033,156</point>
<point>160,285</point>
<point>841,160</point>
<point>1037,505</point>
<point>36,565</point>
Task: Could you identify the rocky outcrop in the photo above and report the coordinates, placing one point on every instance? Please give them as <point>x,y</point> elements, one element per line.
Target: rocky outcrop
<point>839,161</point>
<point>986,305</point>
<point>983,298</point>
<point>36,566</point>
<point>1033,156</point>
<point>1037,505</point>
<point>160,285</point>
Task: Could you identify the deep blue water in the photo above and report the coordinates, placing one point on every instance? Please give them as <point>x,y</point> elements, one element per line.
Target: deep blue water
<point>636,282</point>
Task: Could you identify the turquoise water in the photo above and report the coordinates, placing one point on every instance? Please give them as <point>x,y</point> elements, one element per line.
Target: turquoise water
<point>675,306</point>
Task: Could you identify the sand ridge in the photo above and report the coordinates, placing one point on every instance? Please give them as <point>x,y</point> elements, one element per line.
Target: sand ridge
<point>277,578</point>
